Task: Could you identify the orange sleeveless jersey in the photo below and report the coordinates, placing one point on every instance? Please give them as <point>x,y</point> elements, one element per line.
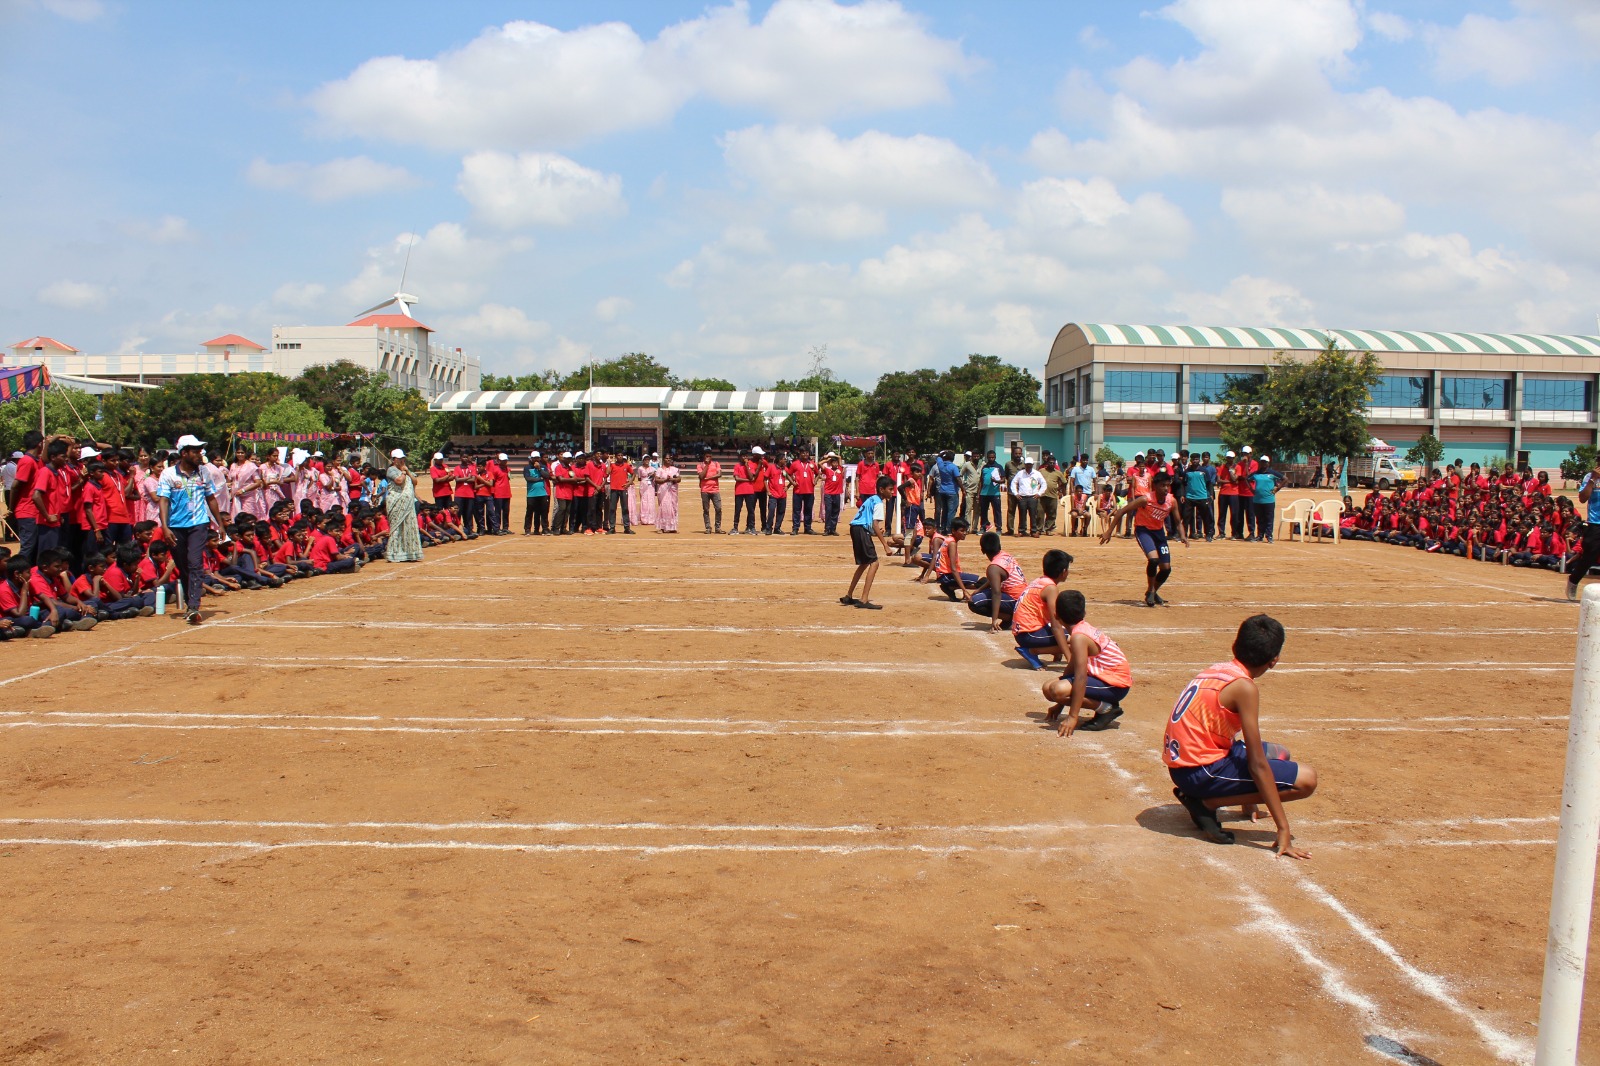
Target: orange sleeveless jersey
<point>1030,614</point>
<point>1015,583</point>
<point>1201,729</point>
<point>1108,664</point>
<point>1140,480</point>
<point>1153,515</point>
<point>946,550</point>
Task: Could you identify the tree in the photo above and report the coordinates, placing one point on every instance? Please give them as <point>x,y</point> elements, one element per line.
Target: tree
<point>329,388</point>
<point>1317,407</point>
<point>840,405</point>
<point>1107,455</point>
<point>913,408</point>
<point>1576,465</point>
<point>1014,392</point>
<point>290,415</point>
<point>634,369</point>
<point>1428,451</point>
<point>60,403</point>
<point>397,416</point>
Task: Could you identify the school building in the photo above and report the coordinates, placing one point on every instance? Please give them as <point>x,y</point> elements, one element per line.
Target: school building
<point>1521,396</point>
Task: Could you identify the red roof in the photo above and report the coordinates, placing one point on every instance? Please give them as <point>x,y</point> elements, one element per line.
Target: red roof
<point>233,339</point>
<point>45,342</point>
<point>391,322</point>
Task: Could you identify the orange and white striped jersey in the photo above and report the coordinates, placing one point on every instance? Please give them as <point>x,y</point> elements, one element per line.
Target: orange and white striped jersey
<point>1030,614</point>
<point>1201,729</point>
<point>1153,515</point>
<point>1015,582</point>
<point>1109,664</point>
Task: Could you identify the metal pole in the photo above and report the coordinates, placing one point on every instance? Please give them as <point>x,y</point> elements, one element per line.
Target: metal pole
<point>1571,900</point>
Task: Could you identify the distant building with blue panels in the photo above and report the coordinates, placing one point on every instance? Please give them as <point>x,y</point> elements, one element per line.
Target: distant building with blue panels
<point>1521,396</point>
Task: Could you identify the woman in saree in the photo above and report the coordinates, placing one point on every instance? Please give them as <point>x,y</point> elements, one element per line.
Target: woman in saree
<point>643,497</point>
<point>665,478</point>
<point>244,486</point>
<point>405,541</point>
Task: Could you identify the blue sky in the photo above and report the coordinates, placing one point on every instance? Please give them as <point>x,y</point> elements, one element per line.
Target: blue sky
<point>726,187</point>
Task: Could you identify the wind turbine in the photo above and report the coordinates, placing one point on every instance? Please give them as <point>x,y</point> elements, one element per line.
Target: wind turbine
<point>402,299</point>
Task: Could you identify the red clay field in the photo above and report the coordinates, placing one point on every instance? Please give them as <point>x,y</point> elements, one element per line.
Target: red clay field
<point>662,799</point>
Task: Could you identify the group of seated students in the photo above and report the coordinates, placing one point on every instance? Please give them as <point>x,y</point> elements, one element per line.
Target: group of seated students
<point>118,581</point>
<point>1512,519</point>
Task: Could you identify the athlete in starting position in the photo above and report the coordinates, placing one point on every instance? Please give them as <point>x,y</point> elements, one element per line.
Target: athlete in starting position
<point>1211,770</point>
<point>1098,676</point>
<point>1150,510</point>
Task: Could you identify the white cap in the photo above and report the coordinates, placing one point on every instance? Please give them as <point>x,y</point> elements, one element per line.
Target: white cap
<point>1266,458</point>
<point>1228,455</point>
<point>533,455</point>
<point>398,453</point>
<point>757,450</point>
<point>501,457</point>
<point>299,455</point>
<point>577,455</point>
<point>189,440</point>
<point>316,455</point>
<point>655,455</point>
<point>16,455</point>
<point>967,454</point>
<point>438,455</point>
<point>87,452</point>
<point>566,455</point>
<point>1247,449</point>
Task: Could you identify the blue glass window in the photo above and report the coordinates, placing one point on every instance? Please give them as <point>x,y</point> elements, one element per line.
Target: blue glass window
<point>1071,401</point>
<point>1474,394</point>
<point>1558,394</point>
<point>1401,390</point>
<point>1141,386</point>
<point>1208,386</point>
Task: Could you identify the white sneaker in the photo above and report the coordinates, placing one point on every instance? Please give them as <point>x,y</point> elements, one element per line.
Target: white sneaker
<point>1572,591</point>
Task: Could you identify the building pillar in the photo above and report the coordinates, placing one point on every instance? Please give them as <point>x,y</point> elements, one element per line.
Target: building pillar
<point>1516,414</point>
<point>1092,393</point>
<point>1434,401</point>
<point>1183,405</point>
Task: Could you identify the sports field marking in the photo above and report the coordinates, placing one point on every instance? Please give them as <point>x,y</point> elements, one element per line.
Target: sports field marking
<point>903,734</point>
<point>582,827</point>
<point>372,662</point>
<point>1434,573</point>
<point>579,627</point>
<point>542,848</point>
<point>628,579</point>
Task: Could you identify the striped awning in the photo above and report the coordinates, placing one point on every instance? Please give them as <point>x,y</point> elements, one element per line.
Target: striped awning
<point>21,381</point>
<point>1365,340</point>
<point>509,401</point>
<point>763,401</point>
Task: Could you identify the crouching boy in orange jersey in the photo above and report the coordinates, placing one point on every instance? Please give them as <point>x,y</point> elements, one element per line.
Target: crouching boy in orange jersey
<point>1208,767</point>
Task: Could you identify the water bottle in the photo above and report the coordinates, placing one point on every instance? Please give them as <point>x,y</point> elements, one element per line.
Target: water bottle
<point>161,599</point>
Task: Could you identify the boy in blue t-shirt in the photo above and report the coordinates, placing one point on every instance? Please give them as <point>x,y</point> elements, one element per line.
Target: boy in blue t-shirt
<point>866,527</point>
<point>1265,499</point>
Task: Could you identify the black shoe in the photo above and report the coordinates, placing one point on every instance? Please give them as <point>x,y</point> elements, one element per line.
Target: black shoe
<point>849,601</point>
<point>1103,718</point>
<point>1204,819</point>
<point>950,594</point>
<point>627,532</point>
<point>1149,599</point>
<point>864,606</point>
<point>1159,601</point>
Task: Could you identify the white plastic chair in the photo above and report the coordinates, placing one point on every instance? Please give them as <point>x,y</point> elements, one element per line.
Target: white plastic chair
<point>1327,514</point>
<point>1297,513</point>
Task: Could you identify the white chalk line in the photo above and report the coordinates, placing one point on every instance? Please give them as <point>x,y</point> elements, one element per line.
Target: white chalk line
<point>264,727</point>
<point>544,848</point>
<point>1504,1045</point>
<point>368,662</point>
<point>601,627</point>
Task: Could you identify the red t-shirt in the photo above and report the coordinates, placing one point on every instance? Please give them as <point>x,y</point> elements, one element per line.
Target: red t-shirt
<point>10,597</point>
<point>324,549</point>
<point>596,473</point>
<point>832,481</point>
<point>95,507</point>
<point>866,479</point>
<point>53,484</point>
<point>118,581</point>
<point>82,589</point>
<point>776,484</point>
<point>27,470</point>
<point>804,476</point>
<point>502,482</point>
<point>744,475</point>
<point>710,473</point>
<point>42,586</point>
<point>115,488</point>
<point>464,475</point>
<point>620,472</point>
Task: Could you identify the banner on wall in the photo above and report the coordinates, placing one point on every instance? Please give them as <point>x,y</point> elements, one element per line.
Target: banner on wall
<point>301,438</point>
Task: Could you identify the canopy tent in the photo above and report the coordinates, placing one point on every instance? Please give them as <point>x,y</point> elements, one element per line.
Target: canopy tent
<point>21,381</point>
<point>760,401</point>
<point>300,438</point>
<point>1379,446</point>
<point>841,441</point>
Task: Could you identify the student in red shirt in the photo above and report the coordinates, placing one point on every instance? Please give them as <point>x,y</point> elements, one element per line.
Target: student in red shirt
<point>326,556</point>
<point>500,492</point>
<point>16,598</point>
<point>52,591</point>
<point>618,475</point>
<point>587,495</point>
<point>710,473</point>
<point>97,590</point>
<point>832,493</point>
<point>23,515</point>
<point>465,478</point>
<point>803,477</point>
<point>758,486</point>
<point>744,493</point>
<point>50,494</point>
<point>777,498</point>
<point>439,479</point>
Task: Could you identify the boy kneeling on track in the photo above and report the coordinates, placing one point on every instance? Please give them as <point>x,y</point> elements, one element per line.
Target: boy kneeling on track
<point>1098,675</point>
<point>1211,770</point>
<point>1034,624</point>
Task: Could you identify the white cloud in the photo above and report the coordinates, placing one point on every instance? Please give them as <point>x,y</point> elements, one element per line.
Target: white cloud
<point>75,10</point>
<point>612,308</point>
<point>1307,216</point>
<point>1091,38</point>
<point>73,295</point>
<point>1389,26</point>
<point>448,268</point>
<point>299,295</point>
<point>1246,300</point>
<point>527,85</point>
<point>168,229</point>
<point>337,179</point>
<point>841,189</point>
<point>1092,221</point>
<point>537,189</point>
<point>496,322</point>
<point>1503,51</point>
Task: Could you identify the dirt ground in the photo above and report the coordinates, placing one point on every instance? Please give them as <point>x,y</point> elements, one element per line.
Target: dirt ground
<point>662,799</point>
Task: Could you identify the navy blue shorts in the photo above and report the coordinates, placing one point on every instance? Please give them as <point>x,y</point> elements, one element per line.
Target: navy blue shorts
<point>1095,689</point>
<point>1153,540</point>
<point>1230,775</point>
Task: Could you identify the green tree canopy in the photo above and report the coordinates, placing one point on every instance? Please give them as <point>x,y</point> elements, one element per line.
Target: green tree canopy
<point>1428,451</point>
<point>20,415</point>
<point>1318,407</point>
<point>330,389</point>
<point>634,369</point>
<point>290,415</point>
<point>398,416</point>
